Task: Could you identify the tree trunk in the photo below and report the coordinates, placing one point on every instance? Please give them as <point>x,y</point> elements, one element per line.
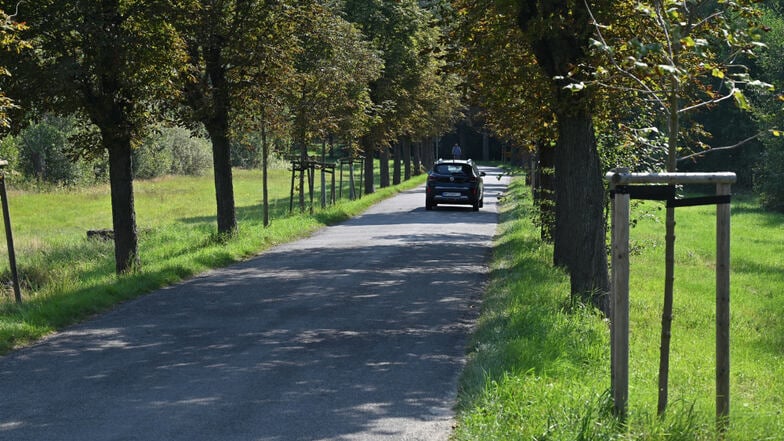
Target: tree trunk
<point>224,187</point>
<point>383,159</point>
<point>406,146</point>
<point>485,146</point>
<point>265,174</point>
<point>673,124</point>
<point>368,146</point>
<point>396,160</point>
<point>428,153</point>
<point>545,192</point>
<point>303,159</point>
<point>108,109</point>
<point>126,244</point>
<point>351,181</point>
<point>417,148</point>
<point>579,210</point>
<point>216,121</point>
<point>579,235</point>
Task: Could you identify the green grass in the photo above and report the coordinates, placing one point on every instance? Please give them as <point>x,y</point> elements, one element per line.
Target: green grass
<point>66,277</point>
<point>539,365</point>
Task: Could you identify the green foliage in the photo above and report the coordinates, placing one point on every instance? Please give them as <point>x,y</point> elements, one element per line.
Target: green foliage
<point>9,151</point>
<point>96,59</point>
<point>413,82</point>
<point>769,176</point>
<point>44,153</point>
<point>677,58</point>
<point>9,42</point>
<point>171,150</point>
<point>240,55</point>
<point>330,93</point>
<point>500,73</point>
<point>769,181</point>
<point>246,152</point>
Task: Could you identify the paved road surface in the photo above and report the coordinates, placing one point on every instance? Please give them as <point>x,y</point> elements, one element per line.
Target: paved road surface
<point>356,333</point>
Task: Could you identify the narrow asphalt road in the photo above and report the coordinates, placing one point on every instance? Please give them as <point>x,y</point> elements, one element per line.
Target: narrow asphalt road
<point>356,333</point>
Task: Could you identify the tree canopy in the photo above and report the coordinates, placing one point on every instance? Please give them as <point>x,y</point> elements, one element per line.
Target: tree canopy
<point>9,42</point>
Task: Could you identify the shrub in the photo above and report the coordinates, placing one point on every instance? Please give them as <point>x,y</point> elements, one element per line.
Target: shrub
<point>43,147</point>
<point>190,155</point>
<point>171,150</point>
<point>769,180</point>
<point>9,151</point>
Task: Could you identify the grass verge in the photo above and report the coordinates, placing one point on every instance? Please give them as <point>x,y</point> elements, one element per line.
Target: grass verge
<point>67,277</point>
<point>539,365</point>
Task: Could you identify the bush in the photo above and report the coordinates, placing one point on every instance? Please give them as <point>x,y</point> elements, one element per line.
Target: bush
<point>43,147</point>
<point>171,150</point>
<point>246,153</point>
<point>769,180</point>
<point>9,151</point>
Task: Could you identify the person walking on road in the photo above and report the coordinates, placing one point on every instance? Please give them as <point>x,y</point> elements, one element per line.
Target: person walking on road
<point>457,153</point>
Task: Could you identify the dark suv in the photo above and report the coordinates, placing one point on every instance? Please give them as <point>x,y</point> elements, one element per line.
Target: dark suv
<point>454,181</point>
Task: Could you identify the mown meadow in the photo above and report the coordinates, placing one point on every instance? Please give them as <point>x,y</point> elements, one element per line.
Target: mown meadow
<point>66,277</point>
<point>539,365</point>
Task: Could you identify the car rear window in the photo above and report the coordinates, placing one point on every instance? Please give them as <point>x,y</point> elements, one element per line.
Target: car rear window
<point>453,169</point>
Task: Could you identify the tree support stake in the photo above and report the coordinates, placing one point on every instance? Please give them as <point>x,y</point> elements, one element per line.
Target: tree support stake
<point>623,188</point>
<point>9,237</point>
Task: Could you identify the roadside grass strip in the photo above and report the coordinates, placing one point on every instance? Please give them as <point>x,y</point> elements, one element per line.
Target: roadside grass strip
<point>539,365</point>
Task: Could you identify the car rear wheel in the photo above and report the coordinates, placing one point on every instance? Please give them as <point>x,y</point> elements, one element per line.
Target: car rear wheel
<point>476,206</point>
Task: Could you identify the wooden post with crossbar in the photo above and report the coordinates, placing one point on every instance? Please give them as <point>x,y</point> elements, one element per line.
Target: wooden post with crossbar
<point>624,186</point>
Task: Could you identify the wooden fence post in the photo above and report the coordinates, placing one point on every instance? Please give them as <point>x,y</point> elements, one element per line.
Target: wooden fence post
<point>620,302</point>
<point>722,308</point>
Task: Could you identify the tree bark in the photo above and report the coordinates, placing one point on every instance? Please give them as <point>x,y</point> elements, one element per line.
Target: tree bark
<point>396,161</point>
<point>108,105</point>
<point>545,191</point>
<point>265,174</point>
<point>485,145</point>
<point>579,210</point>
<point>406,146</point>
<point>428,153</point>
<point>224,187</point>
<point>210,100</point>
<point>579,235</point>
<point>673,126</point>
<point>383,159</point>
<point>417,148</point>
<point>368,146</point>
<point>126,244</point>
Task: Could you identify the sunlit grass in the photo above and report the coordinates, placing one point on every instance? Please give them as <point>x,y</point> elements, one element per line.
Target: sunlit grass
<point>539,367</point>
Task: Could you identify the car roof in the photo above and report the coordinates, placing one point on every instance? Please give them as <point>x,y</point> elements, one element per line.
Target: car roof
<point>454,161</point>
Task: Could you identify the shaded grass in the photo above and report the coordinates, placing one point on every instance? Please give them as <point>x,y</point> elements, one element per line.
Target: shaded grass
<point>539,365</point>
<point>67,277</point>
